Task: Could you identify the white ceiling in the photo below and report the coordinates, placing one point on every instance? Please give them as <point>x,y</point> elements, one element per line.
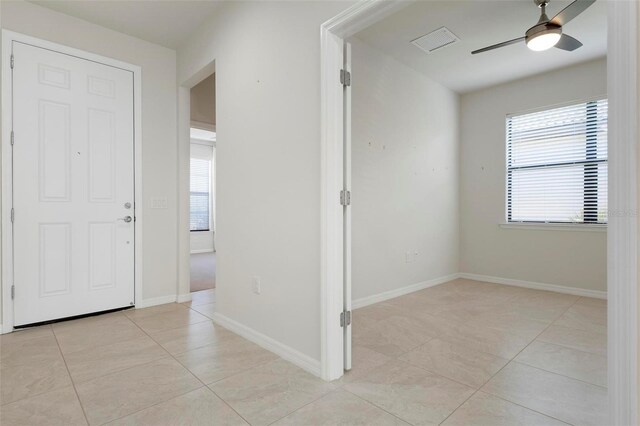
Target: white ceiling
<point>480,23</point>
<point>164,22</point>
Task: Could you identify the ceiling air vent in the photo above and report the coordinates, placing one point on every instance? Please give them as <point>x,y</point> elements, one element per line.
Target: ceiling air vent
<point>435,40</point>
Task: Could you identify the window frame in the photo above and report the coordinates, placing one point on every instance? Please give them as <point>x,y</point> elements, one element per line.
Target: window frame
<point>548,225</point>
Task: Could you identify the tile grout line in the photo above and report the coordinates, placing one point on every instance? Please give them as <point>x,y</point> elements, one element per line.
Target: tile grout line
<point>300,408</point>
<point>256,367</point>
<point>559,374</point>
<point>521,406</point>
<point>170,328</point>
<point>228,405</point>
<point>150,362</point>
<point>183,326</point>
<point>375,405</point>
<point>73,383</point>
<point>397,358</point>
<point>241,371</point>
<point>178,396</point>
<point>42,392</point>
<point>341,386</point>
<point>151,406</point>
<point>512,360</point>
<point>190,372</point>
<point>168,353</point>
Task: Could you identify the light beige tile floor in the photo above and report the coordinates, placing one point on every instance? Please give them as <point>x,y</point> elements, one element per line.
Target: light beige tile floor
<point>461,353</point>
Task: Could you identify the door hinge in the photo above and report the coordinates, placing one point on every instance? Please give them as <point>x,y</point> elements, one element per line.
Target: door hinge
<point>13,214</point>
<point>13,292</point>
<point>12,61</point>
<point>345,197</point>
<point>13,137</point>
<point>345,318</point>
<point>345,78</point>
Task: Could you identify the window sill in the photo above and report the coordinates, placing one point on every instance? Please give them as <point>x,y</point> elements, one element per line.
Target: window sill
<point>575,227</point>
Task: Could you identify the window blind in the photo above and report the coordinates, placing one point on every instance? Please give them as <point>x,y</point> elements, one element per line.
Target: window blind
<point>557,165</point>
<point>200,191</point>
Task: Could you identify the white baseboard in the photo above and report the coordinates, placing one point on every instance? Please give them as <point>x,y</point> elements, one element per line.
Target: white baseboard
<point>392,294</point>
<point>536,286</point>
<point>292,355</point>
<point>184,298</point>
<point>202,251</point>
<point>146,303</point>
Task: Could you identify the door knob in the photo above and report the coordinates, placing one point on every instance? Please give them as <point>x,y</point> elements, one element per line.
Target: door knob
<point>127,219</point>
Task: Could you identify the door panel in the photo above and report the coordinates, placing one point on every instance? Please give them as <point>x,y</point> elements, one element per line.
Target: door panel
<point>53,149</point>
<point>55,259</point>
<point>73,172</point>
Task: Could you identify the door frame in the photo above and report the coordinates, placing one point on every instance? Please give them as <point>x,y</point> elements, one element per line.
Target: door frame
<point>622,238</point>
<point>332,271</point>
<point>6,326</point>
<point>184,156</point>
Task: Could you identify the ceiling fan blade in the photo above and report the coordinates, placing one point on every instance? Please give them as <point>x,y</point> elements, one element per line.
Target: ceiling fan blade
<point>496,46</point>
<point>568,43</point>
<point>571,11</point>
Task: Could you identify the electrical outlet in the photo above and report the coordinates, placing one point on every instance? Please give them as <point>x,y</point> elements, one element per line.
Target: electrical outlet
<point>256,286</point>
<point>408,257</point>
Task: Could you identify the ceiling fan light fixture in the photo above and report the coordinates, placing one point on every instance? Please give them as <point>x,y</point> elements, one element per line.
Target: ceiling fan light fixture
<point>544,39</point>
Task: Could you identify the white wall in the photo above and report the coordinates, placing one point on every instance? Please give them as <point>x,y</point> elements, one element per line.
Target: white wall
<point>267,61</point>
<point>203,104</point>
<point>405,153</point>
<point>158,124</point>
<point>567,258</point>
<point>202,241</point>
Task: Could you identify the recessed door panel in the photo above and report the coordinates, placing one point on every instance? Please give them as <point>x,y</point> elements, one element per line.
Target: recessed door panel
<point>53,139</point>
<point>101,126</point>
<point>53,76</point>
<point>102,256</point>
<point>101,87</point>
<point>54,259</point>
<point>73,173</point>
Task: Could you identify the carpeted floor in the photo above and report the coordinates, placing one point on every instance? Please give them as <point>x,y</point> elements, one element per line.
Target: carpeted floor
<point>203,271</point>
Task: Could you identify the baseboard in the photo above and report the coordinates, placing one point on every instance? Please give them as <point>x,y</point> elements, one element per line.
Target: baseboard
<point>292,355</point>
<point>184,298</point>
<point>146,303</point>
<point>392,294</point>
<point>202,251</point>
<point>536,286</point>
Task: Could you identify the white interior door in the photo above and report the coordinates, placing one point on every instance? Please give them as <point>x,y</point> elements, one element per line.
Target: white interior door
<point>73,185</point>
<point>347,207</point>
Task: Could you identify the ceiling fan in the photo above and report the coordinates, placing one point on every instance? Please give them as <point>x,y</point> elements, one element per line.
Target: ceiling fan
<point>547,33</point>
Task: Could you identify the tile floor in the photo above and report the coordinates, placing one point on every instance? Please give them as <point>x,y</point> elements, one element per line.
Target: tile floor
<point>462,353</point>
<point>203,271</point>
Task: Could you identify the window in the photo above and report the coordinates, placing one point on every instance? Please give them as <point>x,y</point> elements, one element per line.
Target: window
<point>557,165</point>
<point>200,192</point>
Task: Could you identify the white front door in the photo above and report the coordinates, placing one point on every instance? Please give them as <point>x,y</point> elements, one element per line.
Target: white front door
<point>73,185</point>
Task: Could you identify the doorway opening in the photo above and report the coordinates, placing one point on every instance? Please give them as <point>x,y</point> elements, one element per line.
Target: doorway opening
<point>202,183</point>
<point>616,272</point>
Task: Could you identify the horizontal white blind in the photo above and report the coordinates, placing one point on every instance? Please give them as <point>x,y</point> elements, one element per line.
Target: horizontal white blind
<point>200,192</point>
<point>557,165</point>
